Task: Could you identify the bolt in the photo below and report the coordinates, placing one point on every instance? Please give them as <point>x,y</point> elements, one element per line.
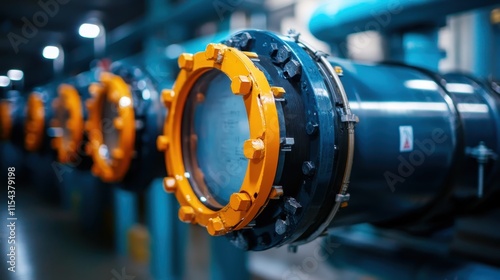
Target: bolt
<point>118,123</point>
<point>95,89</point>
<point>292,206</point>
<point>282,55</point>
<point>117,153</point>
<point>243,41</point>
<point>280,226</point>
<point>167,96</point>
<point>214,51</point>
<point>215,226</point>
<point>162,143</point>
<point>278,92</point>
<point>186,214</point>
<point>169,184</point>
<point>253,149</point>
<point>308,168</point>
<point>311,128</point>
<point>273,50</point>
<point>276,192</point>
<point>241,85</point>
<point>240,201</point>
<point>292,69</point>
<point>185,61</point>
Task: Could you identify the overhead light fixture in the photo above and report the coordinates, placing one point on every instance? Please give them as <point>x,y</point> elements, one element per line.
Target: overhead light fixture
<point>51,52</point>
<point>89,30</point>
<point>15,74</point>
<point>4,81</point>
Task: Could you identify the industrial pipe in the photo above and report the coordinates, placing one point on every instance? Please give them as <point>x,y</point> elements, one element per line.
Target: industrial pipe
<point>334,21</point>
<point>262,141</point>
<point>125,115</point>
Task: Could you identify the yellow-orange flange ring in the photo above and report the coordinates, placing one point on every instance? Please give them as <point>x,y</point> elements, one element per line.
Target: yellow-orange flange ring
<point>262,149</point>
<point>69,102</point>
<point>5,120</point>
<point>35,122</point>
<point>113,89</point>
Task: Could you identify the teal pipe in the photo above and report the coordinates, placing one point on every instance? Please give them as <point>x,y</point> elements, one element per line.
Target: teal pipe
<point>335,20</point>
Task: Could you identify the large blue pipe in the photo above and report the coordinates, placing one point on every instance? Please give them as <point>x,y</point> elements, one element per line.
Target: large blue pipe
<point>334,20</point>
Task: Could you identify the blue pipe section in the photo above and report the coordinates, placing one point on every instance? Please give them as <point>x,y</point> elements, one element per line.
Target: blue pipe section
<point>227,262</point>
<point>420,48</point>
<point>167,234</point>
<point>335,20</point>
<point>125,210</point>
<point>483,44</point>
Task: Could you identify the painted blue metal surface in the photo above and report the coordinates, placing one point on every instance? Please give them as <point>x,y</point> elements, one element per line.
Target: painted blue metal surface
<point>334,20</point>
<point>484,47</point>
<point>167,234</point>
<point>420,48</point>
<point>125,213</point>
<point>226,261</point>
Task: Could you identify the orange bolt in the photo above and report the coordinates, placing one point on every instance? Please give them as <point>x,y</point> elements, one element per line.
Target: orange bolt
<point>253,149</point>
<point>117,153</point>
<point>169,184</point>
<point>186,61</point>
<point>96,89</point>
<point>216,227</point>
<point>167,96</point>
<point>213,51</point>
<point>162,143</point>
<point>278,92</point>
<point>186,214</point>
<point>118,123</point>
<point>241,85</point>
<point>240,201</point>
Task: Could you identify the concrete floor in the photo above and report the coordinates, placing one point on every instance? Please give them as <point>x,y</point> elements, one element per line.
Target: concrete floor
<point>51,245</point>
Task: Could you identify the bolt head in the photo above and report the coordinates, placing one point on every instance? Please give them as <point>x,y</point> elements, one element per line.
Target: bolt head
<point>282,55</point>
<point>311,128</point>
<point>241,85</point>
<point>186,214</point>
<point>292,69</point>
<point>185,61</point>
<point>240,201</point>
<point>292,206</point>
<point>278,92</point>
<point>243,41</point>
<point>162,143</point>
<point>273,50</point>
<point>308,168</point>
<point>167,96</point>
<point>253,149</point>
<point>215,227</point>
<point>280,227</point>
<point>213,51</point>
<point>169,184</point>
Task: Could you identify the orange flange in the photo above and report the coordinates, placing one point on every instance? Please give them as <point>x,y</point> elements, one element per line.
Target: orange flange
<point>262,149</point>
<point>35,123</point>
<point>110,163</point>
<point>69,117</point>
<point>5,120</point>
